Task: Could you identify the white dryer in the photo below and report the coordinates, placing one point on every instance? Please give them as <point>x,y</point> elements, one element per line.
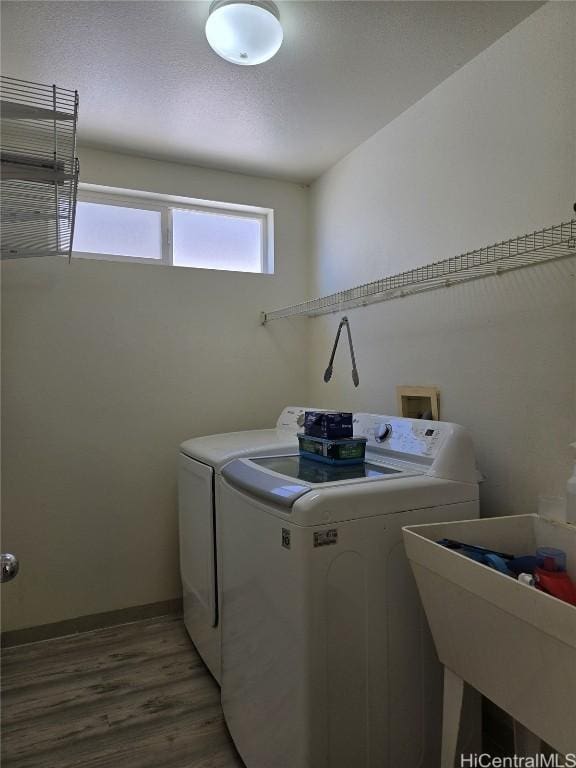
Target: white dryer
<point>200,462</point>
<point>327,661</point>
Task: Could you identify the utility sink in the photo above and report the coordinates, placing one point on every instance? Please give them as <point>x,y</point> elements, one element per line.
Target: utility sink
<point>513,643</point>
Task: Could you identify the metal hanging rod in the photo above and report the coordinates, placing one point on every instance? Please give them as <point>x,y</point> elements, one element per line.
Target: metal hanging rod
<point>545,245</point>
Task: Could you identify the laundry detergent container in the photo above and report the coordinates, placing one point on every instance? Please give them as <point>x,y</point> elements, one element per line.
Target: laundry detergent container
<point>513,643</point>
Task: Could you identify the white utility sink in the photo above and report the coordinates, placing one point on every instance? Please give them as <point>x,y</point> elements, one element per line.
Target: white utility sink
<point>513,643</point>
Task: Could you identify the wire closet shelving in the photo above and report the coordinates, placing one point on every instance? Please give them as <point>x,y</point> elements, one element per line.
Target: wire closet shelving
<point>538,247</point>
<point>38,168</point>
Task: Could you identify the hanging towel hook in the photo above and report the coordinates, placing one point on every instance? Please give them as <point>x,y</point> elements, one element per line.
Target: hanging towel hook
<point>328,371</point>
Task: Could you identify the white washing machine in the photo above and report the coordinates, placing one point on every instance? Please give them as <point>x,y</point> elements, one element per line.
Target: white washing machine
<point>200,462</point>
<point>327,661</point>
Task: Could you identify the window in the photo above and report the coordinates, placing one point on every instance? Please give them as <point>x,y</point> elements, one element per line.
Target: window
<point>121,225</point>
<point>203,238</point>
<point>116,230</point>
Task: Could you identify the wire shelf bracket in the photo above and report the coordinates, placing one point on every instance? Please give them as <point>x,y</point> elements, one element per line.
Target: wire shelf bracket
<point>545,245</point>
<point>38,167</point>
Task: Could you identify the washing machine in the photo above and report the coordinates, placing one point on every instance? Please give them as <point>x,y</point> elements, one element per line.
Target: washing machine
<point>200,462</point>
<point>327,661</point>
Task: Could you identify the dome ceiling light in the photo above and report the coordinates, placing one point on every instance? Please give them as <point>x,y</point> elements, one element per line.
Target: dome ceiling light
<point>244,32</point>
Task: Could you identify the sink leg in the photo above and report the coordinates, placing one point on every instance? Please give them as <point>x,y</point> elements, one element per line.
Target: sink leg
<point>452,711</point>
<point>526,743</point>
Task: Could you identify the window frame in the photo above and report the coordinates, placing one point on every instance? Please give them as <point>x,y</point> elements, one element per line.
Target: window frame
<point>166,205</point>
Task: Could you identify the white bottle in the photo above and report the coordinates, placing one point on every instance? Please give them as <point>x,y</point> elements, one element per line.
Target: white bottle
<point>571,496</point>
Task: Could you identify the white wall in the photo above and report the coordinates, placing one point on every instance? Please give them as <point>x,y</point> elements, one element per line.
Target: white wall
<point>489,154</point>
<point>107,368</point>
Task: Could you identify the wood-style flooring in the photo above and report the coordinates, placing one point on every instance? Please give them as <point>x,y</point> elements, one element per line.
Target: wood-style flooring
<point>132,696</point>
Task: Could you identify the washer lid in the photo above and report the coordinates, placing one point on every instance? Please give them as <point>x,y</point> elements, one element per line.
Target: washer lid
<point>316,472</point>
<point>284,479</point>
<point>271,487</point>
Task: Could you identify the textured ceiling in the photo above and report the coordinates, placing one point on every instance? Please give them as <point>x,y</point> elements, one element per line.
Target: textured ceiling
<point>149,83</point>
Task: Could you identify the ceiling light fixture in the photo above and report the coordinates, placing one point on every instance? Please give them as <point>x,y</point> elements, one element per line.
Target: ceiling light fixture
<point>244,32</point>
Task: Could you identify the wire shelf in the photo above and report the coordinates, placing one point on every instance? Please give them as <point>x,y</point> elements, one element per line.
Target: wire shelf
<point>539,247</point>
<point>38,167</point>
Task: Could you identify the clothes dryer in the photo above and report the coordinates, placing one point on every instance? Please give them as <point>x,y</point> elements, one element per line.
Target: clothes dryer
<point>199,464</point>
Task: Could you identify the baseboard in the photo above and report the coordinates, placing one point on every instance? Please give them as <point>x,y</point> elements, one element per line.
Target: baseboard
<point>92,621</point>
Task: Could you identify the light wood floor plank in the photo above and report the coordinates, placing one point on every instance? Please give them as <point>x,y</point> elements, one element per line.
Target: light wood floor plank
<point>133,696</point>
<point>97,687</point>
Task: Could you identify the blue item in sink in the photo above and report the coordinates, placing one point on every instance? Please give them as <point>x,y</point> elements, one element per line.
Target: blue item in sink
<point>496,560</point>
<point>453,544</point>
<point>501,561</point>
<point>523,564</point>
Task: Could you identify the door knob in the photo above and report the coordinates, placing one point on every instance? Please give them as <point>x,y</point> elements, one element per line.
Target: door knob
<point>8,566</point>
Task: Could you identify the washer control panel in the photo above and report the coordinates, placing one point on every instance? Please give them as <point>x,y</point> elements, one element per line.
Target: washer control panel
<point>410,437</point>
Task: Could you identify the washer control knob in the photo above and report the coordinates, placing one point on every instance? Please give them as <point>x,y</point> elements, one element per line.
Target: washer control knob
<point>382,432</point>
